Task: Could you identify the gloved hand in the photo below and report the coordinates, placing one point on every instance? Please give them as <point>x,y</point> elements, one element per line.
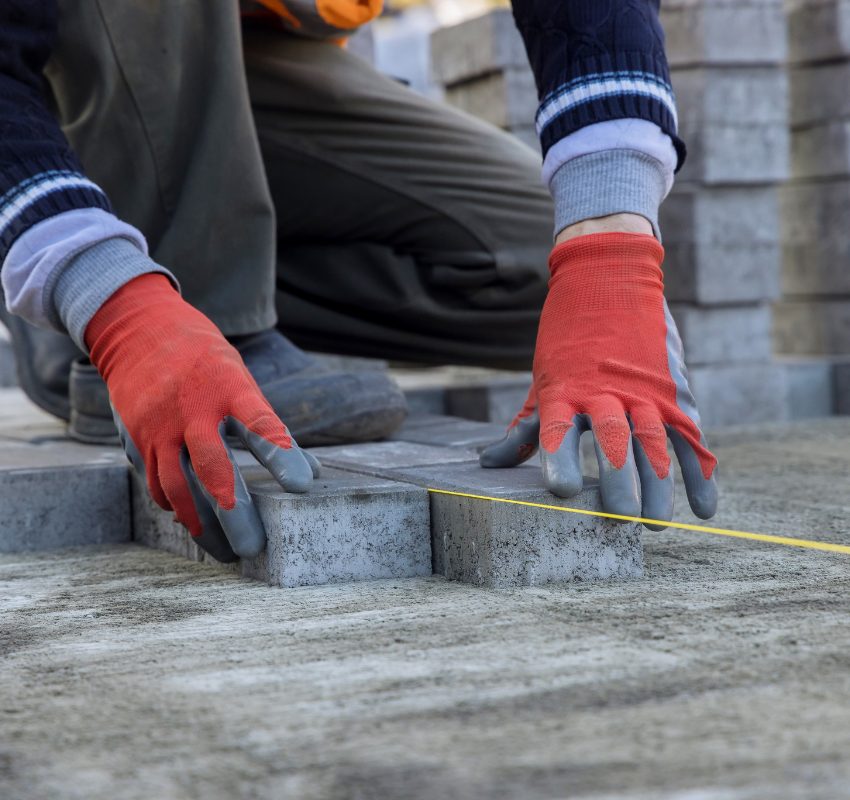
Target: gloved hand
<point>177,388</point>
<point>609,359</point>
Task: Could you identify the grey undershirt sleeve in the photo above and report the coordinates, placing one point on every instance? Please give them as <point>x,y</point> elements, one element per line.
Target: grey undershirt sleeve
<point>608,182</point>
<point>76,290</point>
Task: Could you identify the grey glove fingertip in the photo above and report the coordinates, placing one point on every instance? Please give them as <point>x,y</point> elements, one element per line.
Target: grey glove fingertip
<point>520,444</point>
<point>213,538</point>
<point>657,494</point>
<point>619,488</point>
<point>290,468</point>
<point>702,492</point>
<point>241,524</point>
<point>562,469</point>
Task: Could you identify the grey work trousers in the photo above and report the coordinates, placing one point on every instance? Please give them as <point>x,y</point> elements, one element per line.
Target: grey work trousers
<point>285,181</point>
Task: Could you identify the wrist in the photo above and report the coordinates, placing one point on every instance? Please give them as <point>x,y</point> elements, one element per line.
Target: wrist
<point>612,223</point>
<point>141,295</point>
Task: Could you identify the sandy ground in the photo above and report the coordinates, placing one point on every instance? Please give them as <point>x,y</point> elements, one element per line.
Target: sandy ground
<point>723,674</point>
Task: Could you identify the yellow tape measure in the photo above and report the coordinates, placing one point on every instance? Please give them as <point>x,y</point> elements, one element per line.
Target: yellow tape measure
<point>759,537</point>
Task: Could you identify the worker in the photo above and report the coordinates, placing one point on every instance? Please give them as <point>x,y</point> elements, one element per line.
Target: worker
<point>229,185</point>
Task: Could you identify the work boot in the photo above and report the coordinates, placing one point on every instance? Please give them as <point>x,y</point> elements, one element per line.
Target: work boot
<point>42,362</point>
<point>320,406</point>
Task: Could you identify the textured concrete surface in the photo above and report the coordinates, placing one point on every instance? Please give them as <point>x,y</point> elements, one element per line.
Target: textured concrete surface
<point>721,675</point>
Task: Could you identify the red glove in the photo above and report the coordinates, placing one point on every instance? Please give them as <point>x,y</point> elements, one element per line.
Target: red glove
<point>177,387</point>
<point>609,359</point>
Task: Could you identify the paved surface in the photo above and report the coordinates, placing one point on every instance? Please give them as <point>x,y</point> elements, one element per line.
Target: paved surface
<point>723,674</point>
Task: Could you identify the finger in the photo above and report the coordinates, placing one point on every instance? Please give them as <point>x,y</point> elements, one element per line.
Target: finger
<point>701,491</point>
<point>520,444</point>
<point>213,538</point>
<point>221,482</point>
<point>315,464</point>
<point>656,493</point>
<point>150,476</point>
<point>176,490</point>
<point>649,441</point>
<point>288,466</point>
<point>618,477</point>
<point>562,468</point>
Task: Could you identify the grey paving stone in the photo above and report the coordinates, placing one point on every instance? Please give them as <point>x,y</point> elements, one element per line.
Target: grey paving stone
<point>811,389</point>
<point>724,335</point>
<point>53,492</point>
<point>501,544</point>
<point>701,32</point>
<point>489,43</point>
<point>821,151</point>
<point>506,98</point>
<point>349,527</point>
<point>443,431</point>
<point>50,508</point>
<point>818,30</point>
<point>815,238</point>
<point>741,393</point>
<point>735,121</point>
<point>818,93</point>
<point>381,458</point>
<point>722,244</point>
<point>812,326</point>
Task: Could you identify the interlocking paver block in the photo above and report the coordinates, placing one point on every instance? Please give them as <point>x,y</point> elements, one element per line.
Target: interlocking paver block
<point>54,492</point>
<point>348,527</point>
<point>503,544</point>
<point>486,44</point>
<point>448,432</point>
<point>721,244</point>
<point>723,32</point>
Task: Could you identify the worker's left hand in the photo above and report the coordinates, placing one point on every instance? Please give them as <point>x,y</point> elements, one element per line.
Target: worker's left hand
<point>609,359</point>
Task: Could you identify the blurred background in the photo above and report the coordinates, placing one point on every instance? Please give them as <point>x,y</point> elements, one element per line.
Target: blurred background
<point>756,230</point>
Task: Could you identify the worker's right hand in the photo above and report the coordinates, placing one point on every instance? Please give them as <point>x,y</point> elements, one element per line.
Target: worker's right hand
<point>609,360</point>
<point>178,388</point>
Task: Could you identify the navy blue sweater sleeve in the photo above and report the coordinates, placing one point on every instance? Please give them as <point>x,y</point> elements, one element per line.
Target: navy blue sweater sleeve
<point>597,60</point>
<point>40,176</point>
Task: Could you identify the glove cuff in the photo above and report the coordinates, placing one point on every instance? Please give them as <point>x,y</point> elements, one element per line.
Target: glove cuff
<point>607,251</point>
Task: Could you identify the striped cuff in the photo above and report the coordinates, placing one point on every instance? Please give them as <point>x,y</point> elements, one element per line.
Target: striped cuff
<point>608,182</point>
<point>34,198</point>
<point>90,278</point>
<point>46,248</point>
